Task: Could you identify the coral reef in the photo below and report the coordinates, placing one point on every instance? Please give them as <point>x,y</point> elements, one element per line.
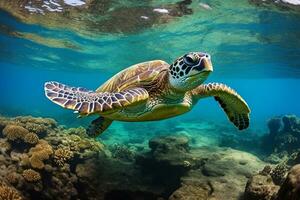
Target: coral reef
<point>9,193</point>
<point>14,132</point>
<point>62,155</point>
<point>260,187</point>
<point>272,184</point>
<point>31,138</point>
<point>35,158</point>
<point>168,158</point>
<point>59,163</point>
<point>191,192</point>
<point>284,134</point>
<point>31,176</point>
<point>204,172</point>
<point>290,189</point>
<point>279,173</point>
<point>122,152</point>
<point>41,152</point>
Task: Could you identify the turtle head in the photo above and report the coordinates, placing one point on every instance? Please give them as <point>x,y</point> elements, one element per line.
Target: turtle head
<point>189,71</point>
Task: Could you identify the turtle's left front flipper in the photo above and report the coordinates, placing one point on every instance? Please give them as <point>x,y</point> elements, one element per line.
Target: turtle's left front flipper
<point>232,103</point>
<point>87,102</point>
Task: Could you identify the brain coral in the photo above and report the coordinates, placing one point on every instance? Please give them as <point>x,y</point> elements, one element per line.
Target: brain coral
<point>62,155</point>
<point>9,193</point>
<point>14,132</point>
<point>31,138</point>
<point>31,175</point>
<point>42,151</point>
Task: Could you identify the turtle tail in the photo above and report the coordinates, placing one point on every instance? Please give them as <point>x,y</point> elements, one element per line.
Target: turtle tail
<point>88,102</point>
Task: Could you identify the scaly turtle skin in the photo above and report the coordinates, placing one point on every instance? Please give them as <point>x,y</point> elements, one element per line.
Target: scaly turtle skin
<point>151,91</point>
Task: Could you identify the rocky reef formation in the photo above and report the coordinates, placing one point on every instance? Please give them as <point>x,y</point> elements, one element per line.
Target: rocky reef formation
<point>274,184</point>
<point>41,160</point>
<point>282,147</point>
<point>290,189</point>
<point>282,142</point>
<point>98,16</point>
<point>283,138</point>
<point>197,173</point>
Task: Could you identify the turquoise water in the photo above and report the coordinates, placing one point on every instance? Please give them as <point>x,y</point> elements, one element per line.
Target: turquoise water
<point>255,50</point>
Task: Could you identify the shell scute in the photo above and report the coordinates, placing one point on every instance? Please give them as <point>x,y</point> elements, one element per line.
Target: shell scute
<point>135,76</point>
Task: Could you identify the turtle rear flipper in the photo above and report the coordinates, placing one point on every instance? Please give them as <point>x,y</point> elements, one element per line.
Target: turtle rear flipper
<point>87,102</point>
<point>232,103</point>
<point>98,126</point>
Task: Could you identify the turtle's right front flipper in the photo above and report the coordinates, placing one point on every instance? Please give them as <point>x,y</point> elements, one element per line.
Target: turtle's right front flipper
<point>88,102</point>
<point>232,103</point>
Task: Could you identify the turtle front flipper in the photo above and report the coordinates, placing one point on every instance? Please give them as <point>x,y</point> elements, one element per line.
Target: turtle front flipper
<point>98,126</point>
<point>232,103</point>
<point>87,102</point>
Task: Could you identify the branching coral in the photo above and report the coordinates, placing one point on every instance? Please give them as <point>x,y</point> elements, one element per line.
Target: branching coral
<point>62,155</point>
<point>31,138</point>
<point>39,153</point>
<point>4,145</point>
<point>82,147</point>
<point>31,175</point>
<point>14,132</point>
<point>9,193</point>
<point>279,173</point>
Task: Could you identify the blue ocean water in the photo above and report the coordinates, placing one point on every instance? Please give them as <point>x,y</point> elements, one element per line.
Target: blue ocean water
<point>255,50</point>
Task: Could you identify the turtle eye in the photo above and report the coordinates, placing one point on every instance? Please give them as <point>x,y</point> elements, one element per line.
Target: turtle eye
<point>190,59</point>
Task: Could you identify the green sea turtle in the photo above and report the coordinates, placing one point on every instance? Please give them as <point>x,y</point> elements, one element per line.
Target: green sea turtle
<point>149,91</point>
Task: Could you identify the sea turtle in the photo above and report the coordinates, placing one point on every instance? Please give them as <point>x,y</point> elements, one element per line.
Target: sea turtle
<point>149,91</point>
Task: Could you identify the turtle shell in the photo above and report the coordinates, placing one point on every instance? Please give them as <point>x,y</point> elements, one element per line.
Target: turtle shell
<point>138,75</point>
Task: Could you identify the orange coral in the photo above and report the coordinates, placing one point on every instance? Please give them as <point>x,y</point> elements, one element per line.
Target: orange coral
<point>42,151</point>
<point>31,175</point>
<point>14,132</point>
<point>31,138</point>
<point>9,193</point>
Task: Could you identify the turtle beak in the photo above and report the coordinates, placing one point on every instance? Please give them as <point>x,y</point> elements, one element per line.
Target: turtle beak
<point>205,64</point>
